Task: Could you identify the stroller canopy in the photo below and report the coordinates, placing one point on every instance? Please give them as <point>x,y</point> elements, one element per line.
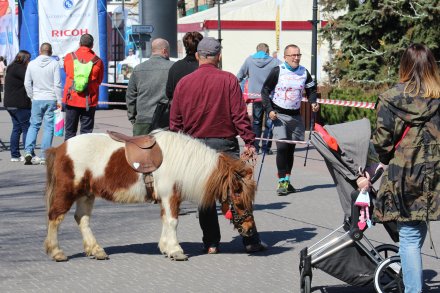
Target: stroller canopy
<point>353,140</point>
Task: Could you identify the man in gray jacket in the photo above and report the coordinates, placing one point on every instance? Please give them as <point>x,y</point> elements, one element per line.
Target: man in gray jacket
<point>256,68</point>
<point>43,86</point>
<point>146,87</point>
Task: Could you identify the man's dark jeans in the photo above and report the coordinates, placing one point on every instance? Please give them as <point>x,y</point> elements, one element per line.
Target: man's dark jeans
<point>257,127</point>
<point>208,217</point>
<point>75,115</point>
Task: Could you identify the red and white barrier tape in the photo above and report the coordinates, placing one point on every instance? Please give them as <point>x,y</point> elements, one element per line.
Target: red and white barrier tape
<point>251,97</point>
<point>355,104</point>
<point>254,96</point>
<point>112,103</point>
<point>284,140</point>
<point>114,85</point>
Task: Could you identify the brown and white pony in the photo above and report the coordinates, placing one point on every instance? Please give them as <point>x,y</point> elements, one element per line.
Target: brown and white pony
<point>94,165</point>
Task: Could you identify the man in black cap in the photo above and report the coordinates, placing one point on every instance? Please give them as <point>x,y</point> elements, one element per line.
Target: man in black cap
<point>216,96</point>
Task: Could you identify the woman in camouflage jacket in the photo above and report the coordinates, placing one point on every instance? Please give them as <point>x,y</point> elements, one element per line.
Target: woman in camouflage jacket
<point>410,189</point>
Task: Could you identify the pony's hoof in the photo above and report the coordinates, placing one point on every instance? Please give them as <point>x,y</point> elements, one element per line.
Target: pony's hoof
<point>101,255</point>
<point>178,256</point>
<point>59,257</point>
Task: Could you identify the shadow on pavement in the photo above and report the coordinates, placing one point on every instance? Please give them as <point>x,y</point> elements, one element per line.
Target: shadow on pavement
<point>313,187</point>
<point>271,206</point>
<point>343,289</point>
<point>139,248</point>
<point>271,238</point>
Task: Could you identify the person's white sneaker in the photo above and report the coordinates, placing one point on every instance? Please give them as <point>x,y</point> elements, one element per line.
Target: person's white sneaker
<point>36,160</point>
<point>21,159</point>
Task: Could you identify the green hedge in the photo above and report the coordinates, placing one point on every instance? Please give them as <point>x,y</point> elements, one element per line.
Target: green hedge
<point>333,114</point>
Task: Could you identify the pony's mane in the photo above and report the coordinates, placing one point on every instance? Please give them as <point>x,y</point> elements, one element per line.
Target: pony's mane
<point>231,175</point>
<point>185,160</point>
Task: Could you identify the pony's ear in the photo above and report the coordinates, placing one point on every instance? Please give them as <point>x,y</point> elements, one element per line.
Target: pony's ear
<point>226,190</point>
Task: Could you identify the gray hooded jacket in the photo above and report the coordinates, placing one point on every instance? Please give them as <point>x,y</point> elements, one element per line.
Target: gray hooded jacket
<point>257,70</point>
<point>42,80</point>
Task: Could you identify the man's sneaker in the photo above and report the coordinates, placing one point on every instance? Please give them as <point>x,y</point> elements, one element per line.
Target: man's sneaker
<point>38,161</point>
<point>290,188</point>
<point>211,249</point>
<point>282,187</point>
<point>21,159</point>
<point>256,247</point>
<point>28,159</point>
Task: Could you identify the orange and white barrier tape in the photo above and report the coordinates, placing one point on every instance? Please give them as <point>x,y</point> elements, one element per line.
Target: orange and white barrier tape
<point>112,103</point>
<point>254,96</point>
<point>284,140</point>
<point>114,85</point>
<point>355,104</point>
<point>251,97</point>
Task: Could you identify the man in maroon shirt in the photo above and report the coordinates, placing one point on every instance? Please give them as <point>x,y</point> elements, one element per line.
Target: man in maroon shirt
<point>208,105</point>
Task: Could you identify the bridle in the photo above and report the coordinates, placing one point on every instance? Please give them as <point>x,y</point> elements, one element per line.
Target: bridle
<point>237,220</point>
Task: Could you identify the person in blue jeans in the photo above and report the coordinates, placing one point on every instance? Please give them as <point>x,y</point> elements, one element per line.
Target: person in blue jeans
<point>17,103</point>
<point>43,86</point>
<point>406,139</point>
<point>255,69</point>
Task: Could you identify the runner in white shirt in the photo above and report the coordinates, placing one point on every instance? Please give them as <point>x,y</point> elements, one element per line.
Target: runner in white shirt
<point>288,82</point>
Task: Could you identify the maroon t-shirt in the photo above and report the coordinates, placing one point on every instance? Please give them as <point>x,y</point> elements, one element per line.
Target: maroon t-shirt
<point>208,103</point>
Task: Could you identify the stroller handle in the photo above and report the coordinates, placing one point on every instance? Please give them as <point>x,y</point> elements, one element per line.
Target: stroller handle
<point>377,175</point>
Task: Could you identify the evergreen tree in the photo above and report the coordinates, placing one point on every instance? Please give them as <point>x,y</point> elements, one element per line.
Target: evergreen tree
<point>368,40</point>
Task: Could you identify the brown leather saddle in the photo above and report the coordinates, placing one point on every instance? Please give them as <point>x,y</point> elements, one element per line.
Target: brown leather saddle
<point>143,154</point>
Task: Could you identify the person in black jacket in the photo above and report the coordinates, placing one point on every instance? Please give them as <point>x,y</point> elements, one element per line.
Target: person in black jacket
<point>17,103</point>
<point>185,66</point>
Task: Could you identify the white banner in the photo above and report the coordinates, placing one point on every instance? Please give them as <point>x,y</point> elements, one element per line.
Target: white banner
<point>8,30</point>
<point>62,22</point>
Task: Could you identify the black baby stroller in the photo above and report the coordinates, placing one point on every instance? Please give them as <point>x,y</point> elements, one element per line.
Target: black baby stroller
<point>346,253</point>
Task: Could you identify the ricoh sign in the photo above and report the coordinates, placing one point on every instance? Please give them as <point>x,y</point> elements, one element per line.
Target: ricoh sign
<point>63,22</point>
<point>69,33</point>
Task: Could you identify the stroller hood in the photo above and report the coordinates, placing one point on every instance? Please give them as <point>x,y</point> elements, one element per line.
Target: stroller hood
<point>353,139</point>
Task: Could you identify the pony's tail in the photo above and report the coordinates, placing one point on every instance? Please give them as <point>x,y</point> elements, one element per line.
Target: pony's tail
<point>50,177</point>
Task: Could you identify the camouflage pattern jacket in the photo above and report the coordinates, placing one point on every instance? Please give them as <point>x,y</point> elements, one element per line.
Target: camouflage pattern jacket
<point>410,188</point>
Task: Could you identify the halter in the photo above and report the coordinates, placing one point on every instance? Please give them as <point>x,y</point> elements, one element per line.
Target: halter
<point>236,218</point>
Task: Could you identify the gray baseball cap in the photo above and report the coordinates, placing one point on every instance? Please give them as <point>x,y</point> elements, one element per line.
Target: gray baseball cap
<point>209,47</point>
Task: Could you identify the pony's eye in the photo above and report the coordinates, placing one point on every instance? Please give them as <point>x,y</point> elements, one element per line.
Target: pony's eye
<point>239,205</point>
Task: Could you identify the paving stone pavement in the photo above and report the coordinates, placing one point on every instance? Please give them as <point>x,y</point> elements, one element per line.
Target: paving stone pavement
<point>130,233</point>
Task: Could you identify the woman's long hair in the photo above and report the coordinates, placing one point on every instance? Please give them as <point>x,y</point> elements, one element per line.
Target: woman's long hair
<point>22,57</point>
<point>419,71</point>
<point>190,42</point>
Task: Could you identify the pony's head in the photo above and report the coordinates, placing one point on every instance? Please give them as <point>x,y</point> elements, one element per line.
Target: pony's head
<point>234,187</point>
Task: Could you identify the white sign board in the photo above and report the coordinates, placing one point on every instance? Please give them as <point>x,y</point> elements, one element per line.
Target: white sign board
<point>62,22</point>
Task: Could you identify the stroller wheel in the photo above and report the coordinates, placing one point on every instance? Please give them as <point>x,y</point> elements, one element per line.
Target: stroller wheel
<point>388,276</point>
<point>307,288</point>
<point>384,251</point>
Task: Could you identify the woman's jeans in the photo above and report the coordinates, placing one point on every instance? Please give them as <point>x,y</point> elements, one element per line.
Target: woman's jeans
<point>412,235</point>
<point>42,113</point>
<point>20,124</point>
